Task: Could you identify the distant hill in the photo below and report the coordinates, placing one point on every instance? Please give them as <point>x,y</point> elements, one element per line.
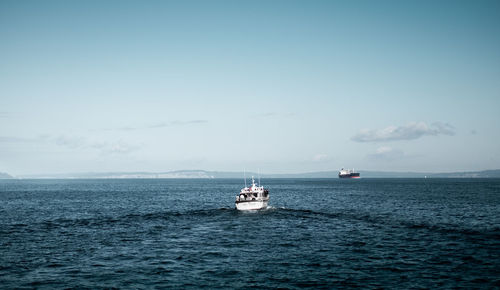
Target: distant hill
<point>470,174</point>
<point>5,176</point>
<point>228,174</point>
<point>393,174</point>
<point>138,174</point>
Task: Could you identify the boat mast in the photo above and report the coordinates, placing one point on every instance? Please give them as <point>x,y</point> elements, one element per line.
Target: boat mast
<point>245,176</point>
<point>258,171</point>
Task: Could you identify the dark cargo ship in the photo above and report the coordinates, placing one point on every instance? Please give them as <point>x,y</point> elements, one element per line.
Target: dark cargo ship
<point>347,173</point>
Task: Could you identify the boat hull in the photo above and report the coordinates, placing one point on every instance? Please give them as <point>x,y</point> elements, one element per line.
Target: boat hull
<point>251,205</point>
<point>351,175</point>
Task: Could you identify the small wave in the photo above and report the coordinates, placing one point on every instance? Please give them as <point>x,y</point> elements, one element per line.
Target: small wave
<point>123,219</point>
<point>492,234</point>
<point>487,234</point>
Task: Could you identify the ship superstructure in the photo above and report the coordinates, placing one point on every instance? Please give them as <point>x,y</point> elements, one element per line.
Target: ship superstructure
<point>348,173</point>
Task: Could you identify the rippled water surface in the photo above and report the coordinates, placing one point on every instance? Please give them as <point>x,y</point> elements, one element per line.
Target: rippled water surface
<point>393,233</point>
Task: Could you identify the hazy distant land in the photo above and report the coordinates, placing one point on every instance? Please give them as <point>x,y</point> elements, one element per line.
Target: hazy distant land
<point>5,176</point>
<point>224,174</point>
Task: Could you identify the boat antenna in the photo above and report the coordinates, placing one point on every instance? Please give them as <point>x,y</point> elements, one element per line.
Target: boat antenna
<point>258,171</point>
<point>245,176</point>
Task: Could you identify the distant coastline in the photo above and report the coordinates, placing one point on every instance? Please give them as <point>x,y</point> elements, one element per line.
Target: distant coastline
<point>203,174</point>
<point>5,176</point>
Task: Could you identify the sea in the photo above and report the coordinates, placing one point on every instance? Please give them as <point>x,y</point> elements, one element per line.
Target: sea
<point>187,234</point>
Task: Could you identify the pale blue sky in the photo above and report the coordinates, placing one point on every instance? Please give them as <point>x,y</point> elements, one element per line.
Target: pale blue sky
<point>280,86</point>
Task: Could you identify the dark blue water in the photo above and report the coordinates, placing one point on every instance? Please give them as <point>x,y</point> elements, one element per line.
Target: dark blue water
<point>392,233</point>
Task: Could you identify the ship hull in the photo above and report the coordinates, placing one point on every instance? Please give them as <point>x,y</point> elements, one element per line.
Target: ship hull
<point>352,175</point>
<point>251,205</point>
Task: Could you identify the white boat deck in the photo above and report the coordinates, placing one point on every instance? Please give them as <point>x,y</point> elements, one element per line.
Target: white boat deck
<point>253,197</point>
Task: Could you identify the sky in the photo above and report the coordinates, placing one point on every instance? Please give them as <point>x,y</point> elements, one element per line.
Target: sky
<point>274,86</point>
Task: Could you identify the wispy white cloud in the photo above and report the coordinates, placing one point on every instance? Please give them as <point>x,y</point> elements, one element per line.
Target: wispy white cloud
<point>124,129</point>
<point>175,123</point>
<point>75,143</point>
<point>15,139</point>
<point>410,131</point>
<point>386,153</point>
<point>267,114</point>
<point>71,142</point>
<point>12,139</point>
<point>275,114</point>
<point>119,147</point>
<point>158,125</point>
<point>320,157</point>
<point>104,147</point>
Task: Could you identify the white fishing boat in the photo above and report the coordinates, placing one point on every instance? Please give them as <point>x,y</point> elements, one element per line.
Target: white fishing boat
<point>252,198</point>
